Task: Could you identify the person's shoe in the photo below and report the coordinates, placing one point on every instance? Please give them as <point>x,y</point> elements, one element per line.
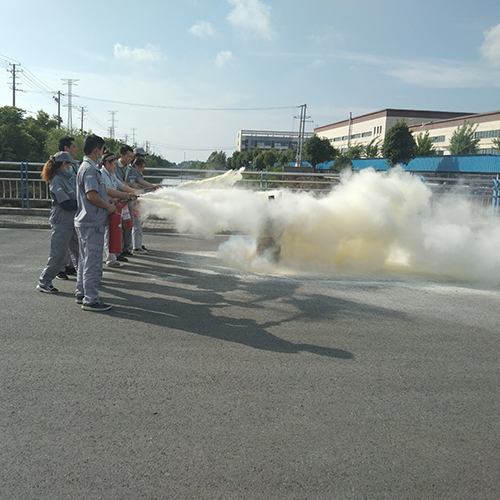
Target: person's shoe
<point>46,288</point>
<point>144,248</point>
<point>79,299</point>
<point>70,271</point>
<point>140,251</point>
<point>121,258</point>
<point>97,307</point>
<point>115,264</point>
<point>62,276</point>
<point>127,253</point>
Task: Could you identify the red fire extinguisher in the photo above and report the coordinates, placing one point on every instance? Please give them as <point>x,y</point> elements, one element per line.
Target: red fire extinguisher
<point>127,219</point>
<point>115,232</point>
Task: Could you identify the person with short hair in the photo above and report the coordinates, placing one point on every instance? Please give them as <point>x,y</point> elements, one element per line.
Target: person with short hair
<point>57,173</point>
<point>90,220</point>
<point>123,170</point>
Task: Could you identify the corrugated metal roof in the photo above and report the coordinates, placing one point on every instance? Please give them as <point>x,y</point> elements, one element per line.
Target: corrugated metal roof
<point>477,164</point>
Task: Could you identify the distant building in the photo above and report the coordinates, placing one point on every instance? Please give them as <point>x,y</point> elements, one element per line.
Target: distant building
<point>488,128</point>
<point>265,140</point>
<point>363,129</point>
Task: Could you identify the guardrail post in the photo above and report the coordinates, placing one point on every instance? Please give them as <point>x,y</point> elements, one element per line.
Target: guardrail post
<point>261,179</point>
<point>266,178</point>
<point>495,202</point>
<point>27,186</point>
<point>22,184</point>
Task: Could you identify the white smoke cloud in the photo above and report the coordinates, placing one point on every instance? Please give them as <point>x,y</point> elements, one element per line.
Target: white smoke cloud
<point>490,49</point>
<point>222,58</point>
<point>370,223</point>
<point>252,15</point>
<point>148,54</point>
<point>202,29</point>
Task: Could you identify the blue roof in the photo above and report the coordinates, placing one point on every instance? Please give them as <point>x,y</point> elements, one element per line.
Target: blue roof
<point>484,164</point>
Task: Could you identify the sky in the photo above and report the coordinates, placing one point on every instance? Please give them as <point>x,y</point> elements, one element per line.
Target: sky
<point>187,75</point>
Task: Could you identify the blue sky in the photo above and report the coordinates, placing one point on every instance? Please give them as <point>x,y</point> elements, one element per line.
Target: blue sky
<point>206,69</point>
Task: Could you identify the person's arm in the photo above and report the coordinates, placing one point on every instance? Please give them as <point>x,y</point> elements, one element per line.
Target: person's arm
<point>96,200</point>
<point>120,194</point>
<point>142,182</point>
<point>69,205</point>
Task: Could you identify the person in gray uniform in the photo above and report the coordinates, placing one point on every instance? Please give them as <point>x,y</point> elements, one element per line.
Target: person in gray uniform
<point>113,183</point>
<point>62,184</point>
<point>137,178</point>
<point>123,170</point>
<point>68,144</point>
<point>90,222</point>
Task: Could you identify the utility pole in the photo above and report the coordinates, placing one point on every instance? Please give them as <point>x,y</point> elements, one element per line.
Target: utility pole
<point>126,138</point>
<point>58,100</point>
<point>133,137</point>
<point>14,72</point>
<point>82,110</point>
<point>302,127</point>
<point>70,82</point>
<point>112,128</point>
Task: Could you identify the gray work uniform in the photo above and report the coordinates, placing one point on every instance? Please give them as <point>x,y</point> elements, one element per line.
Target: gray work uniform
<point>112,181</point>
<point>90,223</point>
<point>137,219</point>
<point>62,188</point>
<point>123,173</point>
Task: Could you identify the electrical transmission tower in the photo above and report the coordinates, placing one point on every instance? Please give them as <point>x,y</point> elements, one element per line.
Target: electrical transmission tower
<point>14,84</point>
<point>70,82</point>
<point>112,128</point>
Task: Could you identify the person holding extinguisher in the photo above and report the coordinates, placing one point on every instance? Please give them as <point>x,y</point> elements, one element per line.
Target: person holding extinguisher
<point>109,162</point>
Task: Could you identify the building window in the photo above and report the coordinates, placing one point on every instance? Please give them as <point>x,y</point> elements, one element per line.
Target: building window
<point>366,134</point>
<point>345,137</point>
<point>487,134</point>
<point>337,139</point>
<point>487,151</point>
<point>437,138</point>
<point>377,130</point>
<point>355,136</point>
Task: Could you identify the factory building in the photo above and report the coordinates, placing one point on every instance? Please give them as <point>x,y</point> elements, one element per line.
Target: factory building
<point>440,124</point>
<point>265,140</point>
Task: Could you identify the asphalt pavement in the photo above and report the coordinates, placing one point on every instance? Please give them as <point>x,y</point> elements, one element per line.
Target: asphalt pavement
<point>205,382</point>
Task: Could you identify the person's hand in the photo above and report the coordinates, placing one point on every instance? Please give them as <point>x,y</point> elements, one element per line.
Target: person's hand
<point>111,208</point>
<point>132,196</point>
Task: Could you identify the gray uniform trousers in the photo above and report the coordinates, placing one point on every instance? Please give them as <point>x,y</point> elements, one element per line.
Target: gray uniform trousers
<point>63,237</point>
<point>127,232</point>
<point>89,263</point>
<point>137,232</point>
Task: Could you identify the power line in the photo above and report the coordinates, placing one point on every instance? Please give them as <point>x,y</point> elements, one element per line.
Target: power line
<point>183,108</point>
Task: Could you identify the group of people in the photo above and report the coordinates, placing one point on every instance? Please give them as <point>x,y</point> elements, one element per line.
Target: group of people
<point>82,198</point>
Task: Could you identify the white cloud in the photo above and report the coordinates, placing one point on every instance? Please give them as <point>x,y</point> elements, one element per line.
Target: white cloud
<point>148,54</point>
<point>201,29</point>
<point>252,15</point>
<point>222,58</point>
<point>490,50</point>
<point>317,63</point>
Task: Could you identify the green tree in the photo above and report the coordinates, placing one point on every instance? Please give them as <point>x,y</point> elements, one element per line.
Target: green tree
<point>399,145</point>
<point>318,150</point>
<point>270,158</point>
<point>16,144</point>
<point>496,143</point>
<point>424,145</point>
<point>372,149</point>
<point>216,160</point>
<point>463,140</point>
<point>258,161</point>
